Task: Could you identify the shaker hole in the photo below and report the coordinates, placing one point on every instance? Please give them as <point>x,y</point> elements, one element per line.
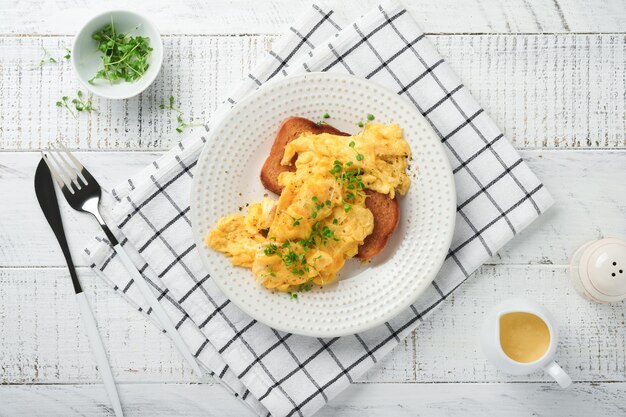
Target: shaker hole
<point>614,263</point>
<point>613,274</point>
<point>621,271</point>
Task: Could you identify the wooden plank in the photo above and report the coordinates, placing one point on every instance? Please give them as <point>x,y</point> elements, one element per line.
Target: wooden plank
<point>271,16</point>
<point>43,341</point>
<point>43,338</point>
<point>522,81</point>
<point>360,400</point>
<point>589,189</point>
<point>198,71</point>
<point>447,346</point>
<point>583,210</point>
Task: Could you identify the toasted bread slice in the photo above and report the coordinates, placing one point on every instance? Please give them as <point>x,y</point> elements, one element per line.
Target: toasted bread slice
<point>385,210</point>
<point>386,213</point>
<point>289,130</point>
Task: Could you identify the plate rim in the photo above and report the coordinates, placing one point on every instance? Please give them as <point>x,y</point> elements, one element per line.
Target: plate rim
<point>199,238</point>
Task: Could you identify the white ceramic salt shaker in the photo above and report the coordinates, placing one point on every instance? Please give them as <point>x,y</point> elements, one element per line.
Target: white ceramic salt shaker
<point>598,270</point>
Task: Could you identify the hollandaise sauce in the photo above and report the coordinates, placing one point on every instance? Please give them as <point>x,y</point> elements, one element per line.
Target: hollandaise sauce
<point>524,337</point>
<point>320,218</point>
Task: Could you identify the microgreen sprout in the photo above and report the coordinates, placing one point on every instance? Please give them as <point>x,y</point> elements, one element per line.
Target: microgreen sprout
<point>306,286</point>
<point>270,249</point>
<point>83,104</point>
<point>124,57</point>
<point>46,58</point>
<point>68,54</point>
<point>80,103</point>
<point>179,114</point>
<point>63,103</point>
<point>170,106</point>
<point>359,157</point>
<point>296,221</point>
<point>318,206</point>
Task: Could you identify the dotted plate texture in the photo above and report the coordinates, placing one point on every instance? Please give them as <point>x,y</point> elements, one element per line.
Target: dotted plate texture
<point>365,295</point>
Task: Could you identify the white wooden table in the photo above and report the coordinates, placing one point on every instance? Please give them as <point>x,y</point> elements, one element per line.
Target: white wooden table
<point>550,72</point>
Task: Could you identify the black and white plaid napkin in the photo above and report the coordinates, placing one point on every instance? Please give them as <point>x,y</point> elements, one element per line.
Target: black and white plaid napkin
<point>282,374</point>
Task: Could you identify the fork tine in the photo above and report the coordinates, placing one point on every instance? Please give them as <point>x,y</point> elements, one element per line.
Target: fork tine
<point>72,157</point>
<point>63,169</point>
<point>79,167</point>
<point>53,170</point>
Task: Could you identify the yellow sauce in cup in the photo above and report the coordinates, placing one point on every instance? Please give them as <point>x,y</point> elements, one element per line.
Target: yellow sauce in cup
<point>524,337</point>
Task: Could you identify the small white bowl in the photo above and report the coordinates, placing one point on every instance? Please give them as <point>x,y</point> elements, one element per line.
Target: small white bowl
<point>87,60</point>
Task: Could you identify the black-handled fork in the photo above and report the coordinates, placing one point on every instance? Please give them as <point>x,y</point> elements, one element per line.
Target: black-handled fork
<point>82,192</point>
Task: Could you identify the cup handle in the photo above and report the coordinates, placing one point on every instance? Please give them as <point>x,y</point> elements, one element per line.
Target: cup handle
<point>558,374</point>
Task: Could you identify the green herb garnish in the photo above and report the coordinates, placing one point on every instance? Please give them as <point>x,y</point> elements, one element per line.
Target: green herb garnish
<point>124,57</point>
<point>46,58</point>
<point>179,114</point>
<point>270,249</point>
<point>318,206</point>
<point>370,117</point>
<point>83,104</point>
<point>296,221</point>
<point>306,286</point>
<point>63,103</point>
<point>79,102</point>
<point>326,116</point>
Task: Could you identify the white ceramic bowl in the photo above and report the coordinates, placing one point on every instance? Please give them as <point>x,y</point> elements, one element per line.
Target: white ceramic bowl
<point>87,60</point>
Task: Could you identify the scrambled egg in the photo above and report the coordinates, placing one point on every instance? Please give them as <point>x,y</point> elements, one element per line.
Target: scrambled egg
<point>320,219</point>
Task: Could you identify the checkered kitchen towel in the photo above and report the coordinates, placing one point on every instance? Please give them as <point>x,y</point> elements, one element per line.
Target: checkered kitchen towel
<point>282,374</point>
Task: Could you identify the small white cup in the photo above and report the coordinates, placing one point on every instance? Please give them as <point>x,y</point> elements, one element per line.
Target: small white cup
<point>87,60</point>
<point>490,337</point>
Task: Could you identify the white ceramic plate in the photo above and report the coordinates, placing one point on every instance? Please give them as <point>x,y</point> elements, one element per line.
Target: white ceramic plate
<point>365,295</point>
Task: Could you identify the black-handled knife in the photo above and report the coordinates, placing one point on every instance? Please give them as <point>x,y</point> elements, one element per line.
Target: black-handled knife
<point>47,197</point>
